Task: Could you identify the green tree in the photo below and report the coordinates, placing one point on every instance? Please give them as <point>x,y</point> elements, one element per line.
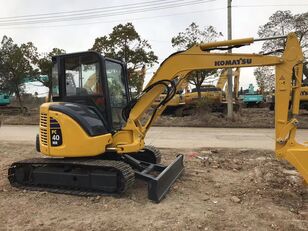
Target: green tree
<point>280,23</point>
<point>15,66</point>
<point>44,63</point>
<point>125,43</point>
<point>265,84</point>
<point>191,36</point>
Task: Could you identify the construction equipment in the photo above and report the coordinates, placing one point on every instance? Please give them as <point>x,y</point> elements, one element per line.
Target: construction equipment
<point>215,96</point>
<point>208,92</point>
<point>236,84</point>
<point>4,99</point>
<point>252,98</point>
<point>222,82</point>
<point>6,108</point>
<point>175,105</point>
<point>97,134</point>
<point>186,101</point>
<point>270,99</point>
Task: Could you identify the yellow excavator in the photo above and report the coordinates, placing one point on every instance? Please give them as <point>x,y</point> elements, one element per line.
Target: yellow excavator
<point>176,104</point>
<point>94,136</point>
<point>270,99</point>
<point>222,82</point>
<point>184,101</point>
<point>215,96</point>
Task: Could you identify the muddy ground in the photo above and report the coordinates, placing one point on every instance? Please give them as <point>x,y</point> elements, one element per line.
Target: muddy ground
<point>234,189</point>
<point>245,118</point>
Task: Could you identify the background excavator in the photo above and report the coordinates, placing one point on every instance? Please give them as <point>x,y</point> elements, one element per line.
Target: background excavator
<point>252,98</point>
<point>6,107</point>
<point>216,96</point>
<point>270,99</point>
<point>4,99</point>
<point>185,102</point>
<point>222,83</point>
<point>94,136</point>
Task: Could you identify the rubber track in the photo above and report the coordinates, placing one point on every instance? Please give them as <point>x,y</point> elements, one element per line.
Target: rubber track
<point>128,174</point>
<point>147,154</point>
<point>155,151</point>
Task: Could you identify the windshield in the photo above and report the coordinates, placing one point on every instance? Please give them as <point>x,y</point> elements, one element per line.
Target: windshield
<point>82,75</point>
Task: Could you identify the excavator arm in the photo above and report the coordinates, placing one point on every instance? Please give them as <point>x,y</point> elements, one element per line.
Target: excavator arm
<point>222,81</point>
<point>175,68</point>
<point>236,82</point>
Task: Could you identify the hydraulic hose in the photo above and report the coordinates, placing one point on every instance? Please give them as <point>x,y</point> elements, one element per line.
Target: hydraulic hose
<point>170,92</point>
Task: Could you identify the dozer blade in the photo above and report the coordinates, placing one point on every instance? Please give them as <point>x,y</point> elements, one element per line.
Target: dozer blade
<point>158,185</point>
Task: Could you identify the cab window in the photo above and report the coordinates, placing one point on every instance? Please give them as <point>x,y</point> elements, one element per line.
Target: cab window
<point>55,80</point>
<point>117,92</point>
<point>82,75</point>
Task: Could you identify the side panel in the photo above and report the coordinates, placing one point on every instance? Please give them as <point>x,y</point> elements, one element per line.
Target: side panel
<point>71,140</point>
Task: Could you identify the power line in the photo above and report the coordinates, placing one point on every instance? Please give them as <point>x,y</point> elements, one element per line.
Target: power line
<point>117,21</point>
<point>123,6</point>
<point>100,14</point>
<point>80,11</point>
<point>86,12</point>
<point>132,19</point>
<point>249,6</point>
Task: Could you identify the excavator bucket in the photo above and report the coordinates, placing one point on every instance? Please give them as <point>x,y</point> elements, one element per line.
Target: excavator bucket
<point>299,159</point>
<point>159,177</point>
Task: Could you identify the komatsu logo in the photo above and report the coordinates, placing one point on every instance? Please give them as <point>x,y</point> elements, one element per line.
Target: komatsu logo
<point>232,62</point>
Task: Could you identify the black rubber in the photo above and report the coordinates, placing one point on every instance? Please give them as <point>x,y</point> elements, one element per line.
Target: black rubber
<point>37,143</point>
<point>25,174</point>
<point>88,119</point>
<point>148,154</point>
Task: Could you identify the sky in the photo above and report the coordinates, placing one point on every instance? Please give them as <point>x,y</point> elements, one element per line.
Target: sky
<point>156,26</point>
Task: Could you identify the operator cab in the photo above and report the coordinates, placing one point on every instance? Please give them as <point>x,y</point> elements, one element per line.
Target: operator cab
<point>92,89</point>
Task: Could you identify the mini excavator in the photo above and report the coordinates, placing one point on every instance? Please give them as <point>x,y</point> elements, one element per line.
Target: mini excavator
<point>93,132</point>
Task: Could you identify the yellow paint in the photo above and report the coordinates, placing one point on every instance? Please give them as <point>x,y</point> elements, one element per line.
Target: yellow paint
<point>76,142</point>
<point>234,42</point>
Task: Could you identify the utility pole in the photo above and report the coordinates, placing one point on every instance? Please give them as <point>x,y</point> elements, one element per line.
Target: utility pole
<point>230,95</point>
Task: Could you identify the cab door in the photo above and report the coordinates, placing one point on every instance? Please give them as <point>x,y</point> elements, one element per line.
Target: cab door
<point>118,91</point>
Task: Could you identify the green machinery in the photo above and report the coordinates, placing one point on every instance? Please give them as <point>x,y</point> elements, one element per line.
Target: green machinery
<point>4,99</point>
<point>251,97</point>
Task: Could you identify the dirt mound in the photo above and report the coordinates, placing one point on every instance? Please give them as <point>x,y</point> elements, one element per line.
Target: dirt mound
<point>247,117</point>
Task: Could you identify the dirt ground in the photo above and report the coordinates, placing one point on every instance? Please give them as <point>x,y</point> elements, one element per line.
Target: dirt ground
<point>234,189</point>
<point>246,118</point>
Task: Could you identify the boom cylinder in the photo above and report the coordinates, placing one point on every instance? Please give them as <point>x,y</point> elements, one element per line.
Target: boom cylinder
<point>234,42</point>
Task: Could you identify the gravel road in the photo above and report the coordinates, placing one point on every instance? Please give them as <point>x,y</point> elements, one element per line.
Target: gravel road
<point>180,137</point>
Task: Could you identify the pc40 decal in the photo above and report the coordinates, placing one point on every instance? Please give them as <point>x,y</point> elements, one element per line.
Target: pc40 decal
<point>240,61</point>
<point>56,137</point>
<point>55,133</point>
